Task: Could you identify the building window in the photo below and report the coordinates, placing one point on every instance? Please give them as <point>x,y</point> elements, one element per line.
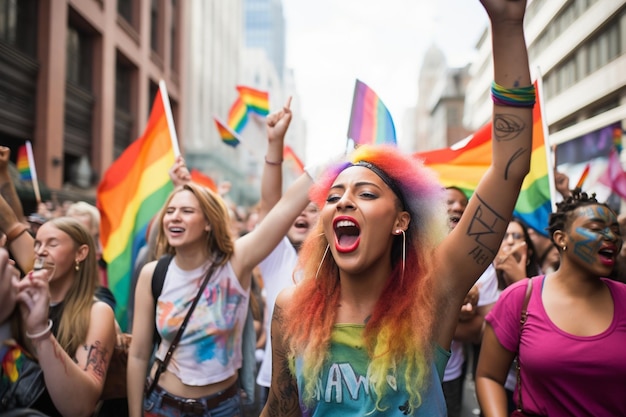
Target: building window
<point>79,59</point>
<point>18,25</point>
<point>124,119</point>
<point>174,37</point>
<point>125,9</point>
<point>152,90</point>
<point>154,25</point>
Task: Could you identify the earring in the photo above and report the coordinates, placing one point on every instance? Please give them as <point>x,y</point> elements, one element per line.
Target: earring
<point>322,261</point>
<point>564,248</point>
<point>77,266</point>
<point>403,250</point>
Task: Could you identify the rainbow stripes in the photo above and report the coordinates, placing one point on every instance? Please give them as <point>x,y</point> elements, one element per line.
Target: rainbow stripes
<point>257,101</point>
<point>237,116</point>
<point>250,100</point>
<point>130,194</point>
<point>464,166</point>
<point>23,166</point>
<point>228,135</point>
<point>292,159</point>
<point>370,121</point>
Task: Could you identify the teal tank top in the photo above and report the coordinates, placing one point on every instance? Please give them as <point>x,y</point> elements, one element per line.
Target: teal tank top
<point>343,389</point>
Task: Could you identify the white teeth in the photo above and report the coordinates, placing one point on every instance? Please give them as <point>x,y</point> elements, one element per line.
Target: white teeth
<point>176,229</point>
<point>345,223</point>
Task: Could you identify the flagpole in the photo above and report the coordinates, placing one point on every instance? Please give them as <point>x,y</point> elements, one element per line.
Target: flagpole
<point>169,117</point>
<point>33,171</point>
<point>544,126</point>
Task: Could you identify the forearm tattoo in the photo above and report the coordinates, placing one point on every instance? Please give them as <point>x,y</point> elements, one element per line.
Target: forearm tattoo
<point>483,226</point>
<point>284,393</point>
<point>96,359</point>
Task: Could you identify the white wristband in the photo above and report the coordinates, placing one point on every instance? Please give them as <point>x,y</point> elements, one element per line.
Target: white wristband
<point>42,333</point>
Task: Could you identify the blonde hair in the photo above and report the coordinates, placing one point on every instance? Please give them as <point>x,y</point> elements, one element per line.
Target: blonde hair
<point>219,241</point>
<point>82,208</point>
<point>79,299</point>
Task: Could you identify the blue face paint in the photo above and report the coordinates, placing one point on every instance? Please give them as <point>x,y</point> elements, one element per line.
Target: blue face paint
<point>594,226</point>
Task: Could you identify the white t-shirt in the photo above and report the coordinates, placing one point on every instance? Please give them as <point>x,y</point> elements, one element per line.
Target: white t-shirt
<point>487,294</point>
<point>277,271</point>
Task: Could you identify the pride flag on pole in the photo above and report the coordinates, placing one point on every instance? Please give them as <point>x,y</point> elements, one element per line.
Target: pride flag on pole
<point>463,166</point>
<point>292,159</point>
<point>256,101</point>
<point>237,116</point>
<point>23,166</point>
<point>26,167</point>
<point>131,193</point>
<point>370,120</point>
<point>228,135</point>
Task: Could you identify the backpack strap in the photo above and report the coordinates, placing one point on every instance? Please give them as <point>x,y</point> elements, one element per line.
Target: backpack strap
<point>158,279</point>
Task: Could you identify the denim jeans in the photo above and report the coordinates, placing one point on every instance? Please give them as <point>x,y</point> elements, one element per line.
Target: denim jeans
<point>153,407</point>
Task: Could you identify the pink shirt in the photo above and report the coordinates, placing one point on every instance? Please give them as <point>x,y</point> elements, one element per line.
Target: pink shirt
<point>563,374</point>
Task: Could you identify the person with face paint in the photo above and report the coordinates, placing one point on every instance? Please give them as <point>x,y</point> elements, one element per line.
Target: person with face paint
<point>570,349</point>
<point>367,330</point>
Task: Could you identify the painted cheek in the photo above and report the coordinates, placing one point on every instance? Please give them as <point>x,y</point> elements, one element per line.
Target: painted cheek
<point>588,246</point>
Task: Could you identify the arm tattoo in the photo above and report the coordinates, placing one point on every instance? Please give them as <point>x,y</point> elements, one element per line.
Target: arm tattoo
<point>516,155</point>
<point>507,127</point>
<point>283,399</point>
<point>96,359</point>
<point>485,221</point>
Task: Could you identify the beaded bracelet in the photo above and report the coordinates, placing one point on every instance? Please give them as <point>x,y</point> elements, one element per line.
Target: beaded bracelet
<point>513,97</point>
<point>272,162</point>
<point>42,333</point>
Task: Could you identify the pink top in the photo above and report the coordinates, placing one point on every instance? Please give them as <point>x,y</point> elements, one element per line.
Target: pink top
<point>563,374</point>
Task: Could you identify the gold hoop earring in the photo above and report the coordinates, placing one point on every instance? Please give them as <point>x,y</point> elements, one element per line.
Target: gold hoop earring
<point>77,266</point>
<point>322,261</point>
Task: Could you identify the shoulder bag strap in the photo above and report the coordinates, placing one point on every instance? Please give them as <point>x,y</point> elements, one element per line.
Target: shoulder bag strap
<point>162,365</point>
<point>522,321</point>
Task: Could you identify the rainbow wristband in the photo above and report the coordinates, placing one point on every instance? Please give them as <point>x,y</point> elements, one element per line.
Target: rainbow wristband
<point>513,97</point>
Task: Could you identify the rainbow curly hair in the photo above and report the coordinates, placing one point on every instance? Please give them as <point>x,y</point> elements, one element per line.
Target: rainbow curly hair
<point>398,334</point>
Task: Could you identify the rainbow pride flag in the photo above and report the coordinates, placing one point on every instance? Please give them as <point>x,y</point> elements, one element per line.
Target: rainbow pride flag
<point>292,159</point>
<point>23,166</point>
<point>202,179</point>
<point>237,115</point>
<point>229,136</point>
<point>463,166</point>
<point>131,193</point>
<point>370,120</point>
<point>257,101</point>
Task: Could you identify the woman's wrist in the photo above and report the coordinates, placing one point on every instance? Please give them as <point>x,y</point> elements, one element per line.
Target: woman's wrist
<point>40,334</point>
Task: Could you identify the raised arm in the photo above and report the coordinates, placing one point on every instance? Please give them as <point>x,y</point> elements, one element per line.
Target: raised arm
<point>272,177</point>
<point>472,245</point>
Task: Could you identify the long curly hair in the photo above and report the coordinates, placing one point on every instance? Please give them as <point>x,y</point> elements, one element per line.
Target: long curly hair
<point>398,335</point>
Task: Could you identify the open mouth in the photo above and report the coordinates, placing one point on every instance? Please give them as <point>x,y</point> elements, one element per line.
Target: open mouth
<point>347,235</point>
<point>607,255</point>
<point>301,225</point>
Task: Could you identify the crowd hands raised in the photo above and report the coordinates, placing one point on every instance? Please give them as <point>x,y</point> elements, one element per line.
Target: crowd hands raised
<point>377,290</point>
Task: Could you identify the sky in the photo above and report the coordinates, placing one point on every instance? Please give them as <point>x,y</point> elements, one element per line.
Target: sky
<point>331,43</point>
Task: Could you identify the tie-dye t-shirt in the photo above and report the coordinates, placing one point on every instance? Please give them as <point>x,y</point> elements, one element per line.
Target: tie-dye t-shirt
<point>210,348</point>
<point>343,390</point>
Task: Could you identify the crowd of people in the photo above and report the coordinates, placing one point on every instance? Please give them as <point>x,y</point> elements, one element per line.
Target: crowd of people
<point>362,290</point>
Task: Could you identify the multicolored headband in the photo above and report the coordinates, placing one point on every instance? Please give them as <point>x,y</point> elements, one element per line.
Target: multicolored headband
<point>391,183</point>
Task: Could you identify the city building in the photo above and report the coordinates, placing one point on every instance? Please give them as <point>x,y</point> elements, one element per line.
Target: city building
<point>265,29</point>
<point>78,79</point>
<point>578,48</point>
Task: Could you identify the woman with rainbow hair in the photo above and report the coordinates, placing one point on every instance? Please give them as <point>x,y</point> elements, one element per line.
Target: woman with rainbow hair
<point>367,330</point>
